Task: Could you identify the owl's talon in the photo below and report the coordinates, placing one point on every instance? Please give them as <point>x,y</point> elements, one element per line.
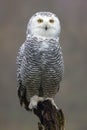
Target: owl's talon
<point>34,101</point>
<point>52,101</point>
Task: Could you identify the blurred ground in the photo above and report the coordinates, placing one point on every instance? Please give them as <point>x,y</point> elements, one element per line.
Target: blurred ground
<point>72,97</point>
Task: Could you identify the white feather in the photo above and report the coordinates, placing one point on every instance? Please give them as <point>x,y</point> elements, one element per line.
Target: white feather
<point>38,29</point>
<point>34,100</point>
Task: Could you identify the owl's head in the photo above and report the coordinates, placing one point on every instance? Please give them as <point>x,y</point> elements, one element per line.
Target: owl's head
<point>44,24</point>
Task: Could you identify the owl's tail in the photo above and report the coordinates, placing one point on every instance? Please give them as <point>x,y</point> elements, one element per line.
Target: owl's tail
<point>22,97</point>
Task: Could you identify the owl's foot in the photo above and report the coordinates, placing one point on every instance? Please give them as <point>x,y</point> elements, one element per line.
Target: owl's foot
<point>52,101</point>
<point>34,101</point>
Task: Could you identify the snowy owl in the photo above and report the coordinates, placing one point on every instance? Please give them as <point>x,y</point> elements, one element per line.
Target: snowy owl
<point>40,64</point>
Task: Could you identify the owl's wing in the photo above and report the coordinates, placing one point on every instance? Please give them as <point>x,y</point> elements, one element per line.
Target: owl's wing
<point>21,88</point>
<point>19,60</point>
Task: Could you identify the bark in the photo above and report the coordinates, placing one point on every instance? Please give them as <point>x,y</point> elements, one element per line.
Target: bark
<point>50,117</point>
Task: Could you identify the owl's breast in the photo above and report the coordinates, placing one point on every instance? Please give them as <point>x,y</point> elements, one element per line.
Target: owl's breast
<point>48,54</point>
<point>46,57</point>
<point>50,59</point>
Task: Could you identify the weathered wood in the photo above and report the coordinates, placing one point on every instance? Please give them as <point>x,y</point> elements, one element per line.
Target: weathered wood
<point>50,117</point>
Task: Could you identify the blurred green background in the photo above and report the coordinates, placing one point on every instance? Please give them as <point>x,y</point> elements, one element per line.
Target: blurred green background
<point>72,97</point>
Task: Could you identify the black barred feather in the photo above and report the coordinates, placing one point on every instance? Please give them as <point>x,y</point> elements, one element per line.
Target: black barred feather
<point>39,68</point>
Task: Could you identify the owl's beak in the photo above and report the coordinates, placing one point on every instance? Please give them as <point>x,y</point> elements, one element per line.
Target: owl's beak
<point>46,28</point>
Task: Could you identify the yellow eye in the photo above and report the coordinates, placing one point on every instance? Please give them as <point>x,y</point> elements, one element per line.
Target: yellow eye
<point>51,21</point>
<point>40,20</point>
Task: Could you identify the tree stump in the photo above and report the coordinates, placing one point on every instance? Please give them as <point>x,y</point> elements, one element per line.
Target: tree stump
<point>50,117</point>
